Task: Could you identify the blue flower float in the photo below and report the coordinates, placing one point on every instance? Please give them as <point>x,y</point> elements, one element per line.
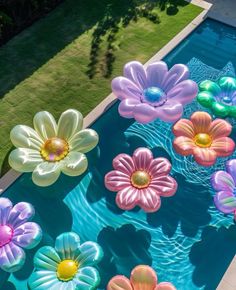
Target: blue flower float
<point>68,266</point>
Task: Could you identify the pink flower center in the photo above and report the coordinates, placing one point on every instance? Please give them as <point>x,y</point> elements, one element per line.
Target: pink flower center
<point>140,179</point>
<point>6,234</point>
<point>203,140</point>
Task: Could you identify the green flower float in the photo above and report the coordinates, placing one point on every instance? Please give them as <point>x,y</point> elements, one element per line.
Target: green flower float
<point>51,148</point>
<point>219,97</point>
<point>68,266</point>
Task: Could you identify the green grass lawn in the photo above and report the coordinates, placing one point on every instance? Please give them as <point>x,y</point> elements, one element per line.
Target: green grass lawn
<point>45,67</point>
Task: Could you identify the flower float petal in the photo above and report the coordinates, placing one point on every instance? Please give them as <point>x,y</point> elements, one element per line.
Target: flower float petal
<point>140,180</point>
<point>49,149</point>
<point>67,266</point>
<point>219,97</point>
<point>223,182</point>
<point>16,233</point>
<point>153,92</point>
<point>203,138</point>
<point>142,277</point>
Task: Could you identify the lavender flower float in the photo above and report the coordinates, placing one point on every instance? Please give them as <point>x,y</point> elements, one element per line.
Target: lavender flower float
<point>154,92</point>
<point>224,182</point>
<point>16,234</point>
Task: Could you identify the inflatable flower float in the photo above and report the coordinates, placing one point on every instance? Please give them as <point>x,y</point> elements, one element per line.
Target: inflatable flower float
<point>142,277</point>
<point>203,138</point>
<point>67,266</point>
<point>51,148</point>
<point>16,233</point>
<point>140,180</point>
<point>219,97</point>
<point>154,92</point>
<point>224,183</point>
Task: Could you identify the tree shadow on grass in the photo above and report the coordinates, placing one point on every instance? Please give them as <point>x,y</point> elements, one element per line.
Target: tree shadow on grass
<point>124,248</point>
<point>212,255</point>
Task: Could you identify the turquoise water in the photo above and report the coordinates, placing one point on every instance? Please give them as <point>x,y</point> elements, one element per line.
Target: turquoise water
<point>187,241</point>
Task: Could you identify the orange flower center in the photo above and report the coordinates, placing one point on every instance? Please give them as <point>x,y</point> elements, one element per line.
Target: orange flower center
<point>54,149</point>
<point>203,140</point>
<point>140,179</point>
<point>66,270</point>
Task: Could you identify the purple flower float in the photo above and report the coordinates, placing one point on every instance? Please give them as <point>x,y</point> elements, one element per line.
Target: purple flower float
<point>224,182</point>
<point>154,92</point>
<point>16,233</point>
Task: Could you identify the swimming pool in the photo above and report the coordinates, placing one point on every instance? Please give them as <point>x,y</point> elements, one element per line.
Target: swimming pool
<point>187,241</point>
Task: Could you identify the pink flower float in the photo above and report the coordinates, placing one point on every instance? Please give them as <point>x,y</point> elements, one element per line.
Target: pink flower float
<point>154,92</point>
<point>140,180</point>
<point>142,277</point>
<point>203,138</point>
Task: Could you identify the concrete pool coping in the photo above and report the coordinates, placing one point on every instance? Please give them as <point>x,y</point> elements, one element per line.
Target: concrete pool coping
<point>228,282</point>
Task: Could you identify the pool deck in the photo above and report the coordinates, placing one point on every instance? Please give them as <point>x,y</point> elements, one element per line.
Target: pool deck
<point>221,10</point>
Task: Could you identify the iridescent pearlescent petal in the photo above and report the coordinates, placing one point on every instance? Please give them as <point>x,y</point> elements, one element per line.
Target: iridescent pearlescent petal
<point>20,213</point>
<point>206,99</point>
<point>127,198</point>
<point>5,209</point>
<point>171,111</point>
<point>222,180</point>
<point>144,113</point>
<point>164,185</point>
<point>184,145</point>
<point>177,74</point>
<point>156,73</point>
<point>87,278</point>
<point>183,127</point>
<point>231,168</point>
<point>165,286</point>
<point>143,278</point>
<point>46,173</point>
<point>204,156</point>
<point>223,146</point>
<point>25,137</point>
<point>135,72</point>
<point>44,280</point>
<point>210,87</point>
<point>142,158</point>
<point>183,92</point>
<point>149,199</point>
<point>116,180</point>
<point>24,159</point>
<point>46,258</point>
<point>220,128</point>
<point>84,141</point>
<point>70,122</point>
<point>220,110</point>
<point>12,257</point>
<point>159,167</point>
<point>201,122</point>
<point>75,163</point>
<point>119,283</point>
<point>126,107</point>
<point>225,201</point>
<point>227,85</point>
<point>124,88</point>
<point>67,245</point>
<point>28,235</point>
<point>90,254</point>
<point>45,125</point>
<point>124,163</point>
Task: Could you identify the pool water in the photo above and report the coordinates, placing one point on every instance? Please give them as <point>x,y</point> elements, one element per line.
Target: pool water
<point>187,241</point>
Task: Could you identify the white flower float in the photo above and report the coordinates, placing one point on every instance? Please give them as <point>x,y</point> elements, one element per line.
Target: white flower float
<point>51,148</point>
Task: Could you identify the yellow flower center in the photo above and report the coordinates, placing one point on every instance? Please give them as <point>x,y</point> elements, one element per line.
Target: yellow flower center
<point>54,149</point>
<point>140,179</point>
<point>66,270</point>
<point>203,140</point>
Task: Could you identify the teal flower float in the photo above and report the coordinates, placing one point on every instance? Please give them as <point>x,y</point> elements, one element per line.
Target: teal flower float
<point>219,97</point>
<point>68,266</point>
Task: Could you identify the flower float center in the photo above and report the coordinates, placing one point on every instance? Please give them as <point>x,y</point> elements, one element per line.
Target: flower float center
<point>6,234</point>
<point>54,149</point>
<point>140,179</point>
<point>154,96</point>
<point>66,270</point>
<point>203,140</point>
